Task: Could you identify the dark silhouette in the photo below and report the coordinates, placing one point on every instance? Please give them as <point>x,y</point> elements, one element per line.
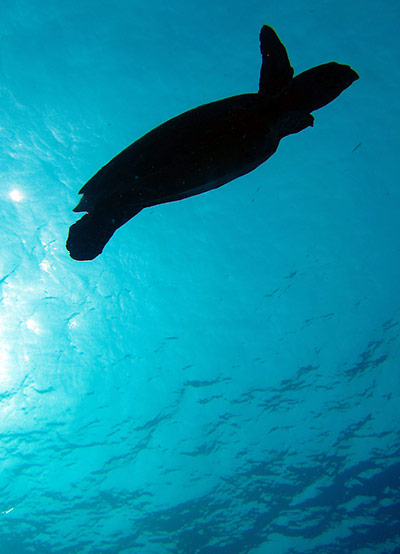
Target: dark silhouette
<point>206,147</point>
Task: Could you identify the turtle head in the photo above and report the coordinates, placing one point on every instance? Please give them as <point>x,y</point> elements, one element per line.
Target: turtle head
<point>318,86</point>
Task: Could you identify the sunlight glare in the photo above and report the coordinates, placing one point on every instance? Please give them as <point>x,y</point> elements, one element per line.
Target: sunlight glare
<point>33,326</point>
<point>16,195</point>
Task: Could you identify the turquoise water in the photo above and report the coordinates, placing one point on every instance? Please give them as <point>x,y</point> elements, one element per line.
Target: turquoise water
<point>224,378</point>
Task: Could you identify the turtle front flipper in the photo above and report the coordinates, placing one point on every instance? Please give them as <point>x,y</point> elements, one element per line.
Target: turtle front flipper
<point>276,71</point>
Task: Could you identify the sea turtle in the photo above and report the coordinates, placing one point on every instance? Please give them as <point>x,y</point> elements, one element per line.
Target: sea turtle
<point>206,147</point>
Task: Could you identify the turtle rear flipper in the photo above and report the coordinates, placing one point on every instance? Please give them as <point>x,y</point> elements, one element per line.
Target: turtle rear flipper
<point>88,236</point>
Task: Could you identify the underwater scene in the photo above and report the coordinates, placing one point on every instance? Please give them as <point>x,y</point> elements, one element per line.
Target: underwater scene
<point>203,357</point>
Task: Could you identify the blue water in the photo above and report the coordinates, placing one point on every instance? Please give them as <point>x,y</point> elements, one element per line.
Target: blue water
<point>225,377</point>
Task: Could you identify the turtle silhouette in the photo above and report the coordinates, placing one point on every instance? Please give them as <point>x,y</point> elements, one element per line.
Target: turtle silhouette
<point>205,147</point>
